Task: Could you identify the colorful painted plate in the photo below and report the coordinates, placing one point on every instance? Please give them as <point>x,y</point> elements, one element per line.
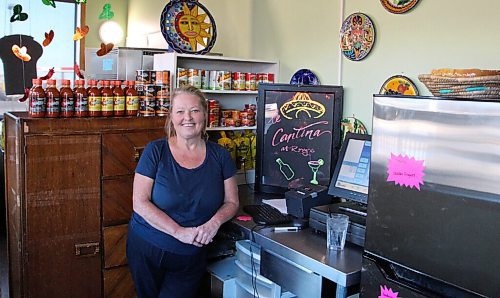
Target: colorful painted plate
<point>357,36</point>
<point>352,124</point>
<point>399,85</point>
<point>188,27</point>
<point>304,77</point>
<point>398,6</point>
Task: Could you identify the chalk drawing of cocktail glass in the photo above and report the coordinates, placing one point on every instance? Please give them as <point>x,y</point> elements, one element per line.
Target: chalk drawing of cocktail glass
<point>314,165</point>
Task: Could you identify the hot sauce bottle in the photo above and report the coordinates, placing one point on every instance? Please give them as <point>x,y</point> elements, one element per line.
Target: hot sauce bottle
<point>95,100</point>
<point>53,99</point>
<point>132,99</point>
<point>119,100</point>
<point>37,105</point>
<point>67,100</point>
<point>81,99</point>
<point>107,100</point>
<point>125,87</point>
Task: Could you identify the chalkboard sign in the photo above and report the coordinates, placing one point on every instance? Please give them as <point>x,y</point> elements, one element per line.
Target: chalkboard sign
<point>298,135</point>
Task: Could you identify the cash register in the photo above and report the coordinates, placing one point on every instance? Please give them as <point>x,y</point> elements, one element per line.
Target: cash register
<point>349,183</point>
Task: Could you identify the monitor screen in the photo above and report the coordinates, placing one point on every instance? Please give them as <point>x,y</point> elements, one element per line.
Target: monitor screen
<point>298,136</point>
<point>351,176</point>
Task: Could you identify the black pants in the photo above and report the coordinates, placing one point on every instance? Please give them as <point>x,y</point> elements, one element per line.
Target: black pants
<point>159,273</point>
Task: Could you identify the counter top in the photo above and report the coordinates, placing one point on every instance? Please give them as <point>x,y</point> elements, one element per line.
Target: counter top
<point>305,247</point>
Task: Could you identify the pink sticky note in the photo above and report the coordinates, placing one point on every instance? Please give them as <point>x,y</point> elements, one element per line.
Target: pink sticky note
<point>244,218</point>
<point>387,293</point>
<point>405,171</point>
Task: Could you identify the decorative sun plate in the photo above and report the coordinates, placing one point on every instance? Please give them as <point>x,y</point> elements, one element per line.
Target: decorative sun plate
<point>188,27</point>
<point>398,6</point>
<point>357,36</point>
<point>399,85</point>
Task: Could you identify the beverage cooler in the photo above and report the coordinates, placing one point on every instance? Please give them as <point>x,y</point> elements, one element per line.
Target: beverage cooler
<point>433,225</point>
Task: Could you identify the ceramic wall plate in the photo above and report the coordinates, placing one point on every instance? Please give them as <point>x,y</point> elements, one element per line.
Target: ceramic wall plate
<point>188,27</point>
<point>398,6</point>
<point>304,77</point>
<point>399,85</point>
<point>357,36</point>
<point>352,124</point>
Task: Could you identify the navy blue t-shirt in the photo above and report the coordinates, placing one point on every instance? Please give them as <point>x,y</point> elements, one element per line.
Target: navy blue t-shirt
<point>189,196</point>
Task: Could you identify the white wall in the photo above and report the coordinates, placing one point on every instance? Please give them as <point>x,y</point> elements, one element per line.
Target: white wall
<point>305,34</point>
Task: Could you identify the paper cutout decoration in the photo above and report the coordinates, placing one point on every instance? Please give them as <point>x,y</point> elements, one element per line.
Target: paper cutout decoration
<point>80,32</point>
<point>387,293</point>
<point>49,3</point>
<point>48,75</point>
<point>105,48</point>
<point>405,171</point>
<point>48,38</point>
<point>25,96</point>
<point>80,1</point>
<point>78,72</point>
<point>21,53</point>
<point>357,36</point>
<point>18,14</point>
<point>106,13</point>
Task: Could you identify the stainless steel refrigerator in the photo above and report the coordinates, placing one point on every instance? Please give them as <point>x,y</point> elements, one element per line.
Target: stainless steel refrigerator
<point>433,224</point>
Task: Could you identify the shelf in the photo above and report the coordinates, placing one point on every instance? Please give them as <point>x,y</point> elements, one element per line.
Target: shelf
<point>229,92</point>
<point>221,58</point>
<point>231,128</point>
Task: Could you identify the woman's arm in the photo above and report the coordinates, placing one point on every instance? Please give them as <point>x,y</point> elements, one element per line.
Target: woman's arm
<point>228,209</point>
<point>143,206</point>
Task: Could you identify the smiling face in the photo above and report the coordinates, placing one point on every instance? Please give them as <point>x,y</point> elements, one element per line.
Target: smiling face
<point>188,116</point>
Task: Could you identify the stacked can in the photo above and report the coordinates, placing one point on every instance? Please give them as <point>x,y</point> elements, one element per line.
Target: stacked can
<point>265,78</point>
<point>250,83</point>
<point>238,81</point>
<point>147,100</point>
<point>194,77</point>
<point>247,117</point>
<point>142,77</point>
<point>213,113</point>
<point>182,77</point>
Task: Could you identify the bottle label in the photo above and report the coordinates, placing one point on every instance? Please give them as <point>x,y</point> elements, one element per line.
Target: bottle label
<point>132,103</point>
<point>119,104</point>
<point>81,104</point>
<point>37,104</point>
<point>107,104</point>
<point>94,103</point>
<point>67,104</point>
<point>52,104</point>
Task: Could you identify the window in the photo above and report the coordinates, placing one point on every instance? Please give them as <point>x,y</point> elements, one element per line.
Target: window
<point>61,53</point>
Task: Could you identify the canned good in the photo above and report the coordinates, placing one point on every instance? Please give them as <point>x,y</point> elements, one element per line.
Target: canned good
<point>226,114</point>
<point>226,80</point>
<point>212,79</point>
<point>205,74</point>
<point>194,78</point>
<point>262,78</point>
<point>228,122</point>
<point>143,76</point>
<point>270,77</point>
<point>250,84</point>
<point>213,120</point>
<point>238,81</point>
<point>162,77</point>
<point>182,77</point>
<point>147,107</point>
<point>162,106</point>
<point>235,114</point>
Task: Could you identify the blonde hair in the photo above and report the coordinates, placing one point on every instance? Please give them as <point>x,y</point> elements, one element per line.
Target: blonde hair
<point>190,90</point>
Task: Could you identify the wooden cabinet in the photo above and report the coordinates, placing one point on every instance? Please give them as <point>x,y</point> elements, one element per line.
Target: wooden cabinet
<point>69,199</point>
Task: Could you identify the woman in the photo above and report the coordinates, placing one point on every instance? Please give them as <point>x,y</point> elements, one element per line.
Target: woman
<point>184,190</point>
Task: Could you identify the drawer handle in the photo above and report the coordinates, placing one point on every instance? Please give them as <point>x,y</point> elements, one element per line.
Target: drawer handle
<point>138,153</point>
<point>87,249</point>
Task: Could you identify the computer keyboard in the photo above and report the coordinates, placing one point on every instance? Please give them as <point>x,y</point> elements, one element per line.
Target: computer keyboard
<point>266,214</point>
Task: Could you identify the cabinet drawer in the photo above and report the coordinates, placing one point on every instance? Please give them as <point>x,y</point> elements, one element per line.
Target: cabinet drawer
<point>115,240</point>
<point>121,151</point>
<point>118,283</point>
<point>117,200</point>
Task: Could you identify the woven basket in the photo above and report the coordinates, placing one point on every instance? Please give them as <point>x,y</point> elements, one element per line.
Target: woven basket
<point>480,87</point>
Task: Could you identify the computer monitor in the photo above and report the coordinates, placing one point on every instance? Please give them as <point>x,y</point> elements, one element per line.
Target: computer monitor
<point>352,171</point>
